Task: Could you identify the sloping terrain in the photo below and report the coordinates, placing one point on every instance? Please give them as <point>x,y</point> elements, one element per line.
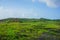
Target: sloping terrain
<point>29,29</point>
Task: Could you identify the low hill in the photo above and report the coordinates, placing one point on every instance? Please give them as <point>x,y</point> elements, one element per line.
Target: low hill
<point>29,29</point>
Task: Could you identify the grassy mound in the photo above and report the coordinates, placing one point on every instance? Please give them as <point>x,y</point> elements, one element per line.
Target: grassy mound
<point>29,29</point>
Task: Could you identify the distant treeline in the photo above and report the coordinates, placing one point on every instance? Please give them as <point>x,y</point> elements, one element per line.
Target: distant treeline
<point>26,19</point>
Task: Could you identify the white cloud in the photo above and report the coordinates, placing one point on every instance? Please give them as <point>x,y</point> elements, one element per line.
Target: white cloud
<point>51,3</point>
<point>33,1</point>
<point>16,12</point>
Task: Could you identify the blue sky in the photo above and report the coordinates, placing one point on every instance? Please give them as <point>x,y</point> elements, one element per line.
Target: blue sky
<point>30,9</point>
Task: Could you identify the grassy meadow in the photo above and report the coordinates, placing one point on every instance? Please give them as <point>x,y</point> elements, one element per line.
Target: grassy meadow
<point>29,29</point>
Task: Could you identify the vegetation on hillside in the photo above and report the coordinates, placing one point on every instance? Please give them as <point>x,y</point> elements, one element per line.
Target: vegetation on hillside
<point>29,29</point>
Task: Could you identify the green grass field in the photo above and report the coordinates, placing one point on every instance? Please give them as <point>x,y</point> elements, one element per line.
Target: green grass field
<point>29,29</point>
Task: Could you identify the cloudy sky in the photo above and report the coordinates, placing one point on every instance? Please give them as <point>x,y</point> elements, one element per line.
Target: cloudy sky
<point>30,9</point>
